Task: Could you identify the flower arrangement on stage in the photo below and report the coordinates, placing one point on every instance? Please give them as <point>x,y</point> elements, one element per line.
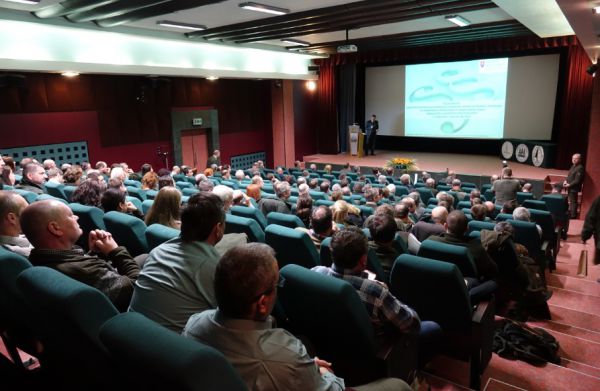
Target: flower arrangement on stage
<point>401,164</point>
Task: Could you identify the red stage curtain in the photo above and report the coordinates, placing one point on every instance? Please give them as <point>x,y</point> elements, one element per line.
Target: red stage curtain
<point>327,121</point>
<point>573,110</point>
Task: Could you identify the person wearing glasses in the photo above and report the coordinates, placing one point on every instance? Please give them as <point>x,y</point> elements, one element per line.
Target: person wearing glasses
<point>267,358</point>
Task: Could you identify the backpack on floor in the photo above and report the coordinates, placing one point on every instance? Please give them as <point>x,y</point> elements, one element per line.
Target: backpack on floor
<point>516,340</point>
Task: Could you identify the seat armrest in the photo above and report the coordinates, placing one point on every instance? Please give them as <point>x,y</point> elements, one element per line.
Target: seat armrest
<point>483,331</point>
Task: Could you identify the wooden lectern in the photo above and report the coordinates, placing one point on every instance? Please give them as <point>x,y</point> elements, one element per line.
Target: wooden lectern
<point>356,140</point>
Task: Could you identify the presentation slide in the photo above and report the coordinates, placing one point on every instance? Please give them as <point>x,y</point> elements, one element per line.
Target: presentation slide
<point>463,99</point>
<point>482,99</point>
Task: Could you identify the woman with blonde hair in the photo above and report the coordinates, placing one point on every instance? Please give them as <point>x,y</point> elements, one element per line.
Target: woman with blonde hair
<point>166,208</point>
<point>346,214</point>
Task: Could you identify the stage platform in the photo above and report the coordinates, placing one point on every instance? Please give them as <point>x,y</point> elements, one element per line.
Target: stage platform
<point>476,165</point>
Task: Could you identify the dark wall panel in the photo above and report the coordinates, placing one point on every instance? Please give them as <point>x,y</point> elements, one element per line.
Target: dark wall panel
<point>305,120</point>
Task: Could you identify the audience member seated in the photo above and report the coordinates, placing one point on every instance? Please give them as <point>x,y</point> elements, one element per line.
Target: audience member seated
<point>225,193</point>
<point>55,175</point>
<point>401,215</point>
<point>283,192</point>
<point>150,181</point>
<point>253,191</point>
<point>346,214</point>
<point>73,175</point>
<point>53,230</point>
<point>321,225</point>
<point>165,209</point>
<point>460,194</point>
<point>239,198</point>
<point>451,176</point>
<point>523,214</point>
<point>372,196</point>
<point>430,183</point>
<point>423,230</point>
<point>304,207</point>
<point>206,186</point>
<point>527,188</point>
<point>456,230</point>
<point>178,277</point>
<point>479,212</point>
<point>349,254</point>
<point>11,236</point>
<point>116,200</point>
<point>381,209</point>
<point>89,193</point>
<point>267,358</point>
<point>509,207</point>
<point>383,230</point>
<point>8,176</point>
<point>506,188</point>
<point>405,181</point>
<point>474,194</point>
<point>491,209</point>
<point>33,179</point>
<point>412,208</point>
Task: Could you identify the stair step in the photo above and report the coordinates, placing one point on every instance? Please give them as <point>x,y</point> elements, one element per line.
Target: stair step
<point>554,325</point>
<point>575,301</point>
<point>579,350</point>
<point>574,284</point>
<point>498,385</point>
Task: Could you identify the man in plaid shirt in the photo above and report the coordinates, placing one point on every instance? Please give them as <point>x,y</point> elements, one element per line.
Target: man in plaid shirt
<point>349,252</point>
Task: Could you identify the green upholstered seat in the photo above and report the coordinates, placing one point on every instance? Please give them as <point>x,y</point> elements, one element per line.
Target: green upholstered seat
<point>157,234</point>
<point>239,224</point>
<point>291,246</point>
<point>457,255</point>
<point>128,231</point>
<point>283,219</point>
<point>156,358</point>
<point>90,218</point>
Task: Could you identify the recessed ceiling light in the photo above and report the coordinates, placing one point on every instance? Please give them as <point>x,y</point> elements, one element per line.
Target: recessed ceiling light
<point>264,8</point>
<point>70,73</point>
<point>25,1</point>
<point>311,85</point>
<point>296,42</point>
<point>180,25</point>
<point>212,78</point>
<point>458,20</point>
<point>596,10</point>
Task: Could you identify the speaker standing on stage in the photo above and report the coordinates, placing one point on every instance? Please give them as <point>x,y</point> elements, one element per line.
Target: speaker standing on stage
<point>573,184</point>
<point>371,128</point>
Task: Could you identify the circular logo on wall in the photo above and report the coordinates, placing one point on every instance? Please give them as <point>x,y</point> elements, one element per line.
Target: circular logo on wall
<point>507,150</point>
<point>522,153</point>
<point>537,155</point>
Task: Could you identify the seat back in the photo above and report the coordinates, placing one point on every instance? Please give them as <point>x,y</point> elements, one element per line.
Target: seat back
<point>157,234</point>
<point>291,246</point>
<point>463,204</point>
<point>136,192</point>
<point>425,194</point>
<point>475,225</point>
<point>373,263</point>
<point>42,197</point>
<point>535,204</point>
<point>128,231</point>
<point>68,315</point>
<point>504,217</point>
<point>557,205</point>
<point>146,205</point>
<point>55,190</point>
<point>131,182</point>
<point>151,194</point>
<point>29,196</point>
<point>156,358</point>
<point>365,211</point>
<point>545,220</point>
<point>435,289</point>
<point>286,220</point>
<point>329,312</point>
<point>69,190</point>
<point>527,234</point>
<point>457,255</point>
<point>136,202</point>
<point>324,202</point>
<point>522,196</point>
<point>90,218</point>
<point>252,213</point>
<point>239,224</point>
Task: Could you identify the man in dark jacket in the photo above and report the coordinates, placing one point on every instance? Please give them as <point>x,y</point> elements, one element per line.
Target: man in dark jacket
<point>52,229</point>
<point>591,227</point>
<point>34,177</point>
<point>573,184</point>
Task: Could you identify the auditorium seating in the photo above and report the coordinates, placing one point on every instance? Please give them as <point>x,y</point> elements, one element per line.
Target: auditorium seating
<point>128,231</point>
<point>152,357</point>
<point>157,234</point>
<point>329,312</point>
<point>90,218</point>
<point>68,328</point>
<point>283,219</point>
<point>42,197</point>
<point>136,192</point>
<point>135,201</point>
<point>291,246</point>
<point>522,196</point>
<point>239,224</point>
<point>457,255</point>
<point>29,196</point>
<point>252,213</point>
<point>436,290</point>
<point>146,205</point>
<point>475,225</point>
<point>55,189</point>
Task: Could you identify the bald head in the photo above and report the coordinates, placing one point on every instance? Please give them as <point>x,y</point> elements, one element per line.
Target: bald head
<point>11,207</point>
<point>456,223</point>
<point>50,224</point>
<point>439,215</point>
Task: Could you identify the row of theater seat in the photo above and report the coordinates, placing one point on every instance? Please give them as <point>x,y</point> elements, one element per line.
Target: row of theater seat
<point>87,344</point>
